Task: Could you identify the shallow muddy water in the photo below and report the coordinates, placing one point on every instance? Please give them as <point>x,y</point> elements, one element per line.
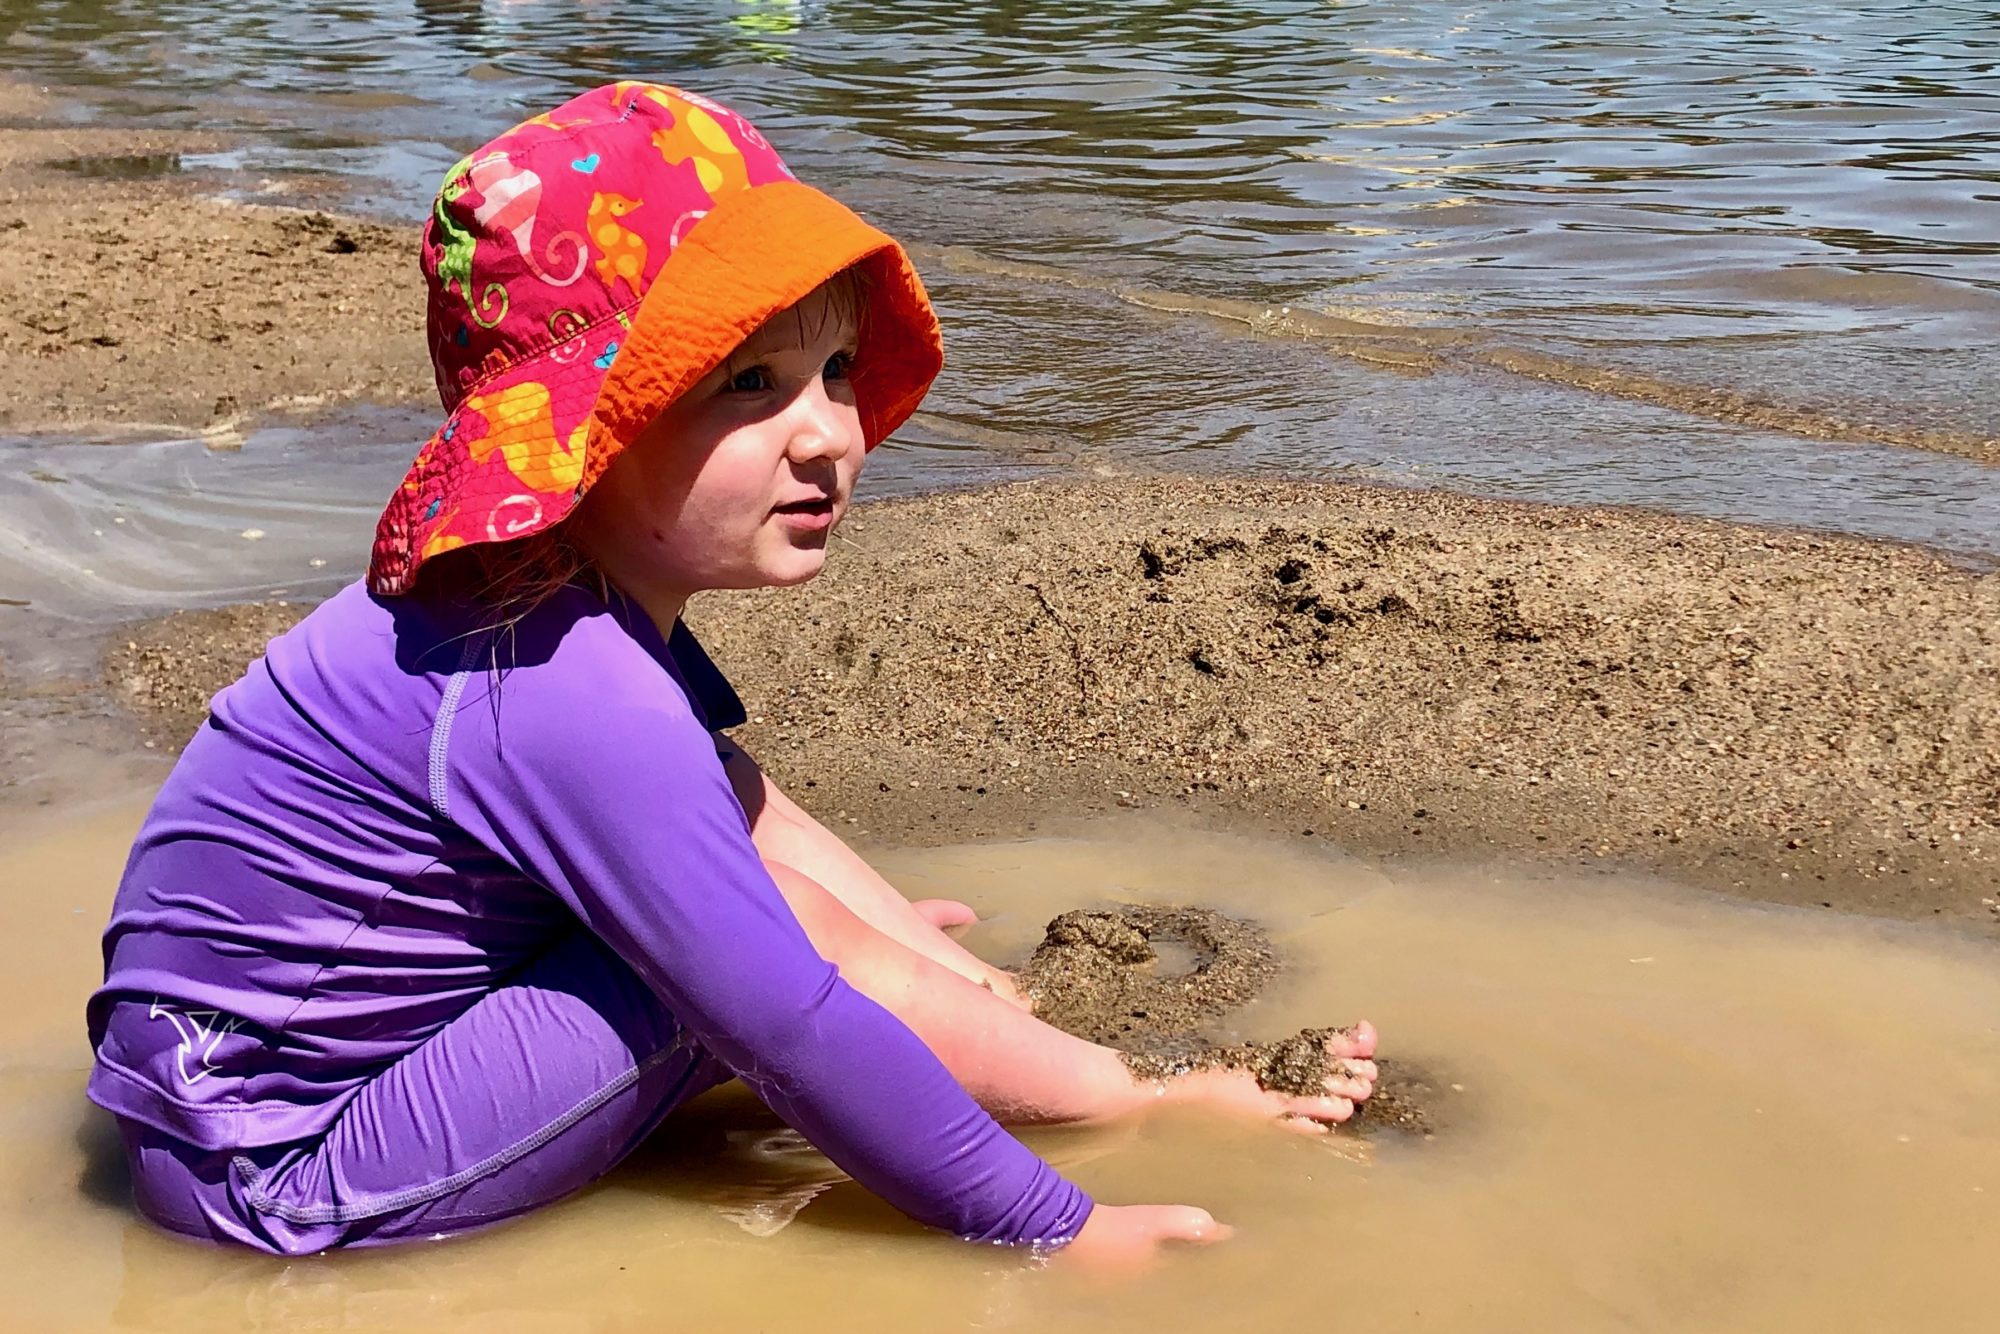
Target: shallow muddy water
<point>1663,1112</point>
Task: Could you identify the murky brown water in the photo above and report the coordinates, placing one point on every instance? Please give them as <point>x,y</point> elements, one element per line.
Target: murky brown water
<point>1675,1114</point>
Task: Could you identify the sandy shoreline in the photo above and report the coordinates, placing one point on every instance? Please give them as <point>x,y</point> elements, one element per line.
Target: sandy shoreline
<point>1788,717</point>
<point>1795,718</point>
<point>133,305</point>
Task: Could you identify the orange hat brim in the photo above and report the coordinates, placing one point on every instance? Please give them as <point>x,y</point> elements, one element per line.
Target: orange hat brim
<point>756,253</point>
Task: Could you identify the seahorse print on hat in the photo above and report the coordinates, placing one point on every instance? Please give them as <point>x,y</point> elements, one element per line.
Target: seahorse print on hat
<point>457,248</point>
<point>696,137</point>
<point>510,197</point>
<point>519,417</point>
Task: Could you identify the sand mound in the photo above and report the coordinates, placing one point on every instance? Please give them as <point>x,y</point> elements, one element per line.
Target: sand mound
<point>1099,975</point>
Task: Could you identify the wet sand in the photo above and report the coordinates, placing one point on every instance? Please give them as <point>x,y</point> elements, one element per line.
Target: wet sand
<point>132,304</point>
<point>1098,973</point>
<point>1798,718</point>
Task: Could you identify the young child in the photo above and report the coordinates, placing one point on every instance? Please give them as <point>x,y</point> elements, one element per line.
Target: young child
<point>460,891</point>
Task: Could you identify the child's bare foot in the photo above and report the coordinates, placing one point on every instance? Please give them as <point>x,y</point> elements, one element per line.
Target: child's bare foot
<point>944,914</point>
<point>1128,1236</point>
<point>1237,1092</point>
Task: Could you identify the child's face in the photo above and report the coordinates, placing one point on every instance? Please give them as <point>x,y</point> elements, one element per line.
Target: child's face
<point>740,481</point>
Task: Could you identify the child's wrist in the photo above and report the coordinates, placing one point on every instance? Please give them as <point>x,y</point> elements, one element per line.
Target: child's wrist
<point>1203,1088</point>
<point>1118,1091</point>
<point>1003,984</point>
<point>1153,1091</point>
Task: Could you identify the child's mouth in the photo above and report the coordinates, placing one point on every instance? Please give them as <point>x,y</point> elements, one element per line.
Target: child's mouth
<point>809,515</point>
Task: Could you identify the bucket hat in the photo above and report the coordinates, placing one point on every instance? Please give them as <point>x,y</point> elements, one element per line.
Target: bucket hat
<point>586,268</point>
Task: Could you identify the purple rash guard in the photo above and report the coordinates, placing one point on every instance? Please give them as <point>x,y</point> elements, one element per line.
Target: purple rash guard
<point>373,830</point>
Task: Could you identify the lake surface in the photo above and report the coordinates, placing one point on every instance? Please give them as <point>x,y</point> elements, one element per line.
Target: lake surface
<point>1720,258</point>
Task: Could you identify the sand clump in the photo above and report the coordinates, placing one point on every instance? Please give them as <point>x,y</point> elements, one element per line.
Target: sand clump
<point>1096,974</point>
<point>1099,974</point>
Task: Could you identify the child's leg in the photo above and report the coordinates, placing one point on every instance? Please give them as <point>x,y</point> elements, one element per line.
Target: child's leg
<point>786,834</point>
<point>536,1090</point>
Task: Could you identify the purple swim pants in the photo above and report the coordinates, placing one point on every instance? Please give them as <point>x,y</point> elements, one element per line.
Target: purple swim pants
<point>537,1090</point>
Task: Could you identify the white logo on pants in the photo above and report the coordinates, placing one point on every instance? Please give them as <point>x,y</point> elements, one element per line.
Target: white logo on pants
<point>200,1031</point>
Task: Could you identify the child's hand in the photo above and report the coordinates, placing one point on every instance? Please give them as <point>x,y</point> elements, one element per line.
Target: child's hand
<point>1128,1236</point>
<point>1237,1092</point>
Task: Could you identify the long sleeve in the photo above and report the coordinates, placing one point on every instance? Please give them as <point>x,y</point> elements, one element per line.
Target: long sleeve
<point>586,768</point>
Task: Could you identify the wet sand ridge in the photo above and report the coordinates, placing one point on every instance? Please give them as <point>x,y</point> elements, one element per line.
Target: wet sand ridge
<point>133,304</point>
<point>1421,350</point>
<point>1796,718</point>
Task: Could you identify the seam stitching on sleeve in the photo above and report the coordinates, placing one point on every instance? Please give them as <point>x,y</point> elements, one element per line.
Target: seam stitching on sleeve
<point>440,756</point>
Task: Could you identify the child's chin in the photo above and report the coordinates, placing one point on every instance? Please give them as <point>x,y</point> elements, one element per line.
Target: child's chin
<point>798,567</point>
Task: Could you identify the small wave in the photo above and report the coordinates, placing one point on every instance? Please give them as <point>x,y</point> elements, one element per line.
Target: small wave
<point>1422,349</point>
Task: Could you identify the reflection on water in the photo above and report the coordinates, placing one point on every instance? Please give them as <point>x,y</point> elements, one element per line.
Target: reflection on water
<point>105,532</point>
<point>1667,1113</point>
<point>1320,143</point>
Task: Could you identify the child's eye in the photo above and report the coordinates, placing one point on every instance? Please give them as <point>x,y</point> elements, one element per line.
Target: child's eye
<point>752,380</point>
<point>839,366</point>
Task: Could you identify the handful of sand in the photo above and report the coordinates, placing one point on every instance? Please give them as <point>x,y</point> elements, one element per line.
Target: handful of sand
<point>1098,974</point>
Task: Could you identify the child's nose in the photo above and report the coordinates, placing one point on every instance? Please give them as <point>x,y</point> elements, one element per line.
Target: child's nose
<point>822,426</point>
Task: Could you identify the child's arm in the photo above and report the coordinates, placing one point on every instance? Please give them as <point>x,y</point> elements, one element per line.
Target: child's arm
<point>619,807</point>
<point>1017,1067</point>
<point>786,834</point>
<point>587,777</point>
<point>968,1012</point>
